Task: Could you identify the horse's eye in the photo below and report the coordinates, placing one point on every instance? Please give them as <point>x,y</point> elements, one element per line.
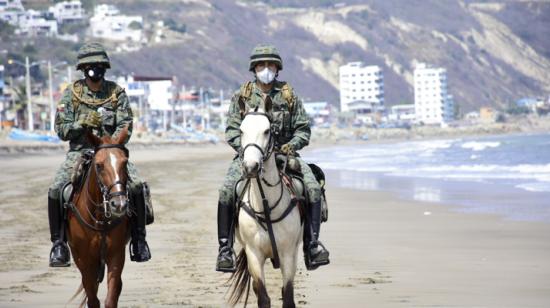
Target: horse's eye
<point>99,167</point>
<point>266,132</point>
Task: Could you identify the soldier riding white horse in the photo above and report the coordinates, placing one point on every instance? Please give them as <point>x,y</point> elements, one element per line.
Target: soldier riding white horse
<point>291,132</point>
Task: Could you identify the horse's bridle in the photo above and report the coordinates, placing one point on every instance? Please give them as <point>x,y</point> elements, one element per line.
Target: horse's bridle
<point>106,189</point>
<point>270,144</point>
<point>100,225</point>
<point>266,207</point>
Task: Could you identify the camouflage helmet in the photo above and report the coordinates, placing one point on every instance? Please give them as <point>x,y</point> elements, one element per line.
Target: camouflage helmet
<point>92,53</point>
<point>265,52</point>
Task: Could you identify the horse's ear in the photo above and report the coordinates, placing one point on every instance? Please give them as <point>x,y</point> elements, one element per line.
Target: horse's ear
<point>93,139</point>
<point>242,107</point>
<point>268,104</point>
<point>122,136</point>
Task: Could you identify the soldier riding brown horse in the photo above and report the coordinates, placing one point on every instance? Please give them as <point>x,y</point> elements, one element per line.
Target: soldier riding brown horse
<point>98,219</point>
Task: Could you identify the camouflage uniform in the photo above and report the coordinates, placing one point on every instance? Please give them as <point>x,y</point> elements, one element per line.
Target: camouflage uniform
<point>291,132</point>
<point>291,123</point>
<point>106,111</point>
<point>114,117</point>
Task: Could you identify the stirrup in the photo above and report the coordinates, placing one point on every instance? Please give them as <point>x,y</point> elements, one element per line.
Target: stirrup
<point>143,254</point>
<point>64,259</point>
<point>223,252</point>
<point>313,265</point>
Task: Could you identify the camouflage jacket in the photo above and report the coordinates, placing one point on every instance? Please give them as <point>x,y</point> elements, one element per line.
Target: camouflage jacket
<point>290,119</point>
<point>79,99</point>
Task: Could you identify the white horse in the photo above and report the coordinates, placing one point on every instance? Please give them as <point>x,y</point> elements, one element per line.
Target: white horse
<point>263,186</point>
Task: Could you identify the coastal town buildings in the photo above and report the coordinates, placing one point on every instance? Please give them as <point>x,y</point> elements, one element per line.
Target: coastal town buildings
<point>361,83</point>
<point>433,104</point>
<point>67,12</point>
<point>403,113</point>
<point>108,23</point>
<point>319,112</point>
<point>34,23</point>
<point>11,11</point>
<point>40,23</point>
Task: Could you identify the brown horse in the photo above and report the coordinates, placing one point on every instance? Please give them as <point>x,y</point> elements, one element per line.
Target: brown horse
<point>98,222</point>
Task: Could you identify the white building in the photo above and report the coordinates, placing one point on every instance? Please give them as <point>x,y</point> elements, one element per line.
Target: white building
<point>33,23</point>
<point>318,111</point>
<point>432,102</point>
<point>359,82</point>
<point>107,23</point>
<point>67,11</point>
<point>404,113</point>
<point>11,11</point>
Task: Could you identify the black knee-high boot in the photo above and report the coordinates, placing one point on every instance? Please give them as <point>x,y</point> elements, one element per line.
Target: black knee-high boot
<point>59,254</point>
<point>226,255</point>
<point>139,249</point>
<point>315,253</point>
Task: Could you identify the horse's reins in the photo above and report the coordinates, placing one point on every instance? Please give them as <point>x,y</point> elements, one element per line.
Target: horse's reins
<point>106,194</point>
<point>266,208</point>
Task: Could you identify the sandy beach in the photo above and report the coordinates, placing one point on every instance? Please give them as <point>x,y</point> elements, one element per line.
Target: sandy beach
<point>385,251</point>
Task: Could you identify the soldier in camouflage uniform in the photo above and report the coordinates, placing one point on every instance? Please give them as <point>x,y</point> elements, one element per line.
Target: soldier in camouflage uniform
<point>93,103</point>
<point>291,133</point>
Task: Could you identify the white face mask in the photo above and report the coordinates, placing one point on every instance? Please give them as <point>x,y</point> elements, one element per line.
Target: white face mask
<point>266,75</point>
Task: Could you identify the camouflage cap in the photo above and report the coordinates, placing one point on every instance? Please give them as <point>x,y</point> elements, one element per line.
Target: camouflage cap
<point>92,53</point>
<point>265,52</point>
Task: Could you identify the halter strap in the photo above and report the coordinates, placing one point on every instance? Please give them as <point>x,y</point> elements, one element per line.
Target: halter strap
<point>111,146</point>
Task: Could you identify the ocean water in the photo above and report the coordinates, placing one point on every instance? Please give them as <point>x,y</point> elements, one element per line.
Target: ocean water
<point>507,174</point>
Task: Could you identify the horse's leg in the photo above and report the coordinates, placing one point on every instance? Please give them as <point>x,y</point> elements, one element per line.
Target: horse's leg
<point>115,264</point>
<point>89,282</point>
<point>288,269</point>
<point>256,262</point>
<point>87,264</point>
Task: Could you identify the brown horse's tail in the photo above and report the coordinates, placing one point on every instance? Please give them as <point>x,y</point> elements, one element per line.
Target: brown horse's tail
<point>240,280</point>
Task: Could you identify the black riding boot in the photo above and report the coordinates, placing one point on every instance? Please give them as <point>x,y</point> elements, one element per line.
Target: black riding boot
<point>315,253</point>
<point>226,255</point>
<point>59,254</point>
<point>139,250</point>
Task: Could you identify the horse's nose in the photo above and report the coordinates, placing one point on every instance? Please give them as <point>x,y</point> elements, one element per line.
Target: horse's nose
<point>118,206</point>
<point>251,168</point>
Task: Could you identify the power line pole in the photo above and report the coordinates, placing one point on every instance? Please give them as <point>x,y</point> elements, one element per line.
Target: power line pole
<point>50,82</point>
<point>29,102</point>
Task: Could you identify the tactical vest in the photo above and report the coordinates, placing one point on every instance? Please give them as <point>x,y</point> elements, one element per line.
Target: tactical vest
<point>82,105</point>
<point>286,91</point>
<point>281,114</point>
<point>77,89</point>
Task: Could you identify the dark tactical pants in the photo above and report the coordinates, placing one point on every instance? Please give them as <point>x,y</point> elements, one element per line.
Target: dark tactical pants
<point>65,171</point>
<point>234,173</point>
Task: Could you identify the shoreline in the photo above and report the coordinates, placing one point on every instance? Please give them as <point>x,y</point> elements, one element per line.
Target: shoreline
<point>321,137</point>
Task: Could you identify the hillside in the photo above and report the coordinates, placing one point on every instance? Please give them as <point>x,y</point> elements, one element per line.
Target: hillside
<point>494,53</point>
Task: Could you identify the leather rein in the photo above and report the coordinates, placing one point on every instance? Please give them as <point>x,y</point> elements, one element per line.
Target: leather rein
<point>264,216</point>
<point>106,224</point>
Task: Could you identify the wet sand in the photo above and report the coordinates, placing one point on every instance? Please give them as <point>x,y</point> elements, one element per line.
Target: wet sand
<point>385,252</point>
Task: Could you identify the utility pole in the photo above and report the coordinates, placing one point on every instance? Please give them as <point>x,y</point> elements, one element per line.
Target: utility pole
<point>29,102</point>
<point>52,110</point>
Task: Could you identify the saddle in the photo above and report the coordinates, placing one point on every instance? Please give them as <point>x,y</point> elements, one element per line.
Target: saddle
<point>293,169</point>
<point>294,179</point>
<point>78,177</point>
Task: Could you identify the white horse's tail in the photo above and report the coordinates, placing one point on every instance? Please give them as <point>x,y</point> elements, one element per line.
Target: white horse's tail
<point>240,280</point>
